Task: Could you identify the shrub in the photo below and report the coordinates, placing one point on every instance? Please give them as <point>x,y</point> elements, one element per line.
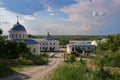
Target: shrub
<point>71,58</point>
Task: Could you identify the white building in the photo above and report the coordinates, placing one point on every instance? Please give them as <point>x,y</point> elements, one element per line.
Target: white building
<point>81,46</point>
<point>48,44</point>
<point>19,33</point>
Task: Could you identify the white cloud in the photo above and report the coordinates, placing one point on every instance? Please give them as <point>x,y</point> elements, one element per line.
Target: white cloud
<point>62,29</point>
<point>8,16</point>
<point>117,2</point>
<point>84,12</point>
<point>29,17</point>
<point>50,9</point>
<point>101,13</point>
<point>52,14</point>
<point>95,13</point>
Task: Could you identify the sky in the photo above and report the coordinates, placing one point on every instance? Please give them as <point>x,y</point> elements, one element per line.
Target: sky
<point>62,17</point>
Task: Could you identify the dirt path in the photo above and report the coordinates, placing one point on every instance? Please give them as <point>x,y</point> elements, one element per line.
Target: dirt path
<point>37,72</point>
<point>91,65</point>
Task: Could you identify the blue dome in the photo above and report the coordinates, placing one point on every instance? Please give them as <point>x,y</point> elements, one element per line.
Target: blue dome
<point>18,27</point>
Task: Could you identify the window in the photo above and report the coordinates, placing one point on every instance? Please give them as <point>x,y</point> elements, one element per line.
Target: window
<point>43,48</point>
<point>72,48</point>
<point>23,35</point>
<point>54,44</point>
<point>40,48</point>
<point>43,44</point>
<point>19,35</point>
<point>46,43</point>
<point>89,47</point>
<point>50,43</point>
<point>12,35</point>
<point>34,50</point>
<point>16,35</point>
<point>46,48</point>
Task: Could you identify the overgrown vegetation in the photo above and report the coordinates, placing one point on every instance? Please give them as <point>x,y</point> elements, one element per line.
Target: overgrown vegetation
<point>79,71</point>
<point>108,57</point>
<point>109,49</point>
<point>71,71</point>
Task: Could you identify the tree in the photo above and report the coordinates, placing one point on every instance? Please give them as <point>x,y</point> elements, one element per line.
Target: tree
<point>112,47</point>
<point>22,49</point>
<point>8,49</point>
<point>1,31</point>
<point>64,42</point>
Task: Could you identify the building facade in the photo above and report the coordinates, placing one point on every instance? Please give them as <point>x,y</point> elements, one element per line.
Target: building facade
<point>48,44</point>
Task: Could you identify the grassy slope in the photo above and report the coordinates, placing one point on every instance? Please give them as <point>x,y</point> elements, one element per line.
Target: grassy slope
<point>71,71</point>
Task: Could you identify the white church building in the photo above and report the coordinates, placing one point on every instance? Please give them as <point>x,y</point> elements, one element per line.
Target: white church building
<point>19,33</point>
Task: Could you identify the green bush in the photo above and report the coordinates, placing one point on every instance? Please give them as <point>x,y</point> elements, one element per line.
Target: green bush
<point>113,60</point>
<point>71,58</point>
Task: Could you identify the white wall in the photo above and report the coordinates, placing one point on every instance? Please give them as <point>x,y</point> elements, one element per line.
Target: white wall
<point>49,43</point>
<point>17,35</point>
<point>69,48</point>
<point>34,48</point>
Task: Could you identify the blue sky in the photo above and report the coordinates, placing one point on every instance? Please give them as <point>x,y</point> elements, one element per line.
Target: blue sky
<point>62,17</point>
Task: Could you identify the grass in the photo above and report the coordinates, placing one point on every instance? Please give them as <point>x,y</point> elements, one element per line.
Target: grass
<point>8,67</point>
<point>71,71</point>
<point>5,70</point>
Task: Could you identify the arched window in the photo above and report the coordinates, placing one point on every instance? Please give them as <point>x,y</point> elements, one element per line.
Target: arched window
<point>9,35</point>
<point>23,36</point>
<point>16,35</point>
<point>34,50</point>
<point>20,36</point>
<point>12,35</point>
